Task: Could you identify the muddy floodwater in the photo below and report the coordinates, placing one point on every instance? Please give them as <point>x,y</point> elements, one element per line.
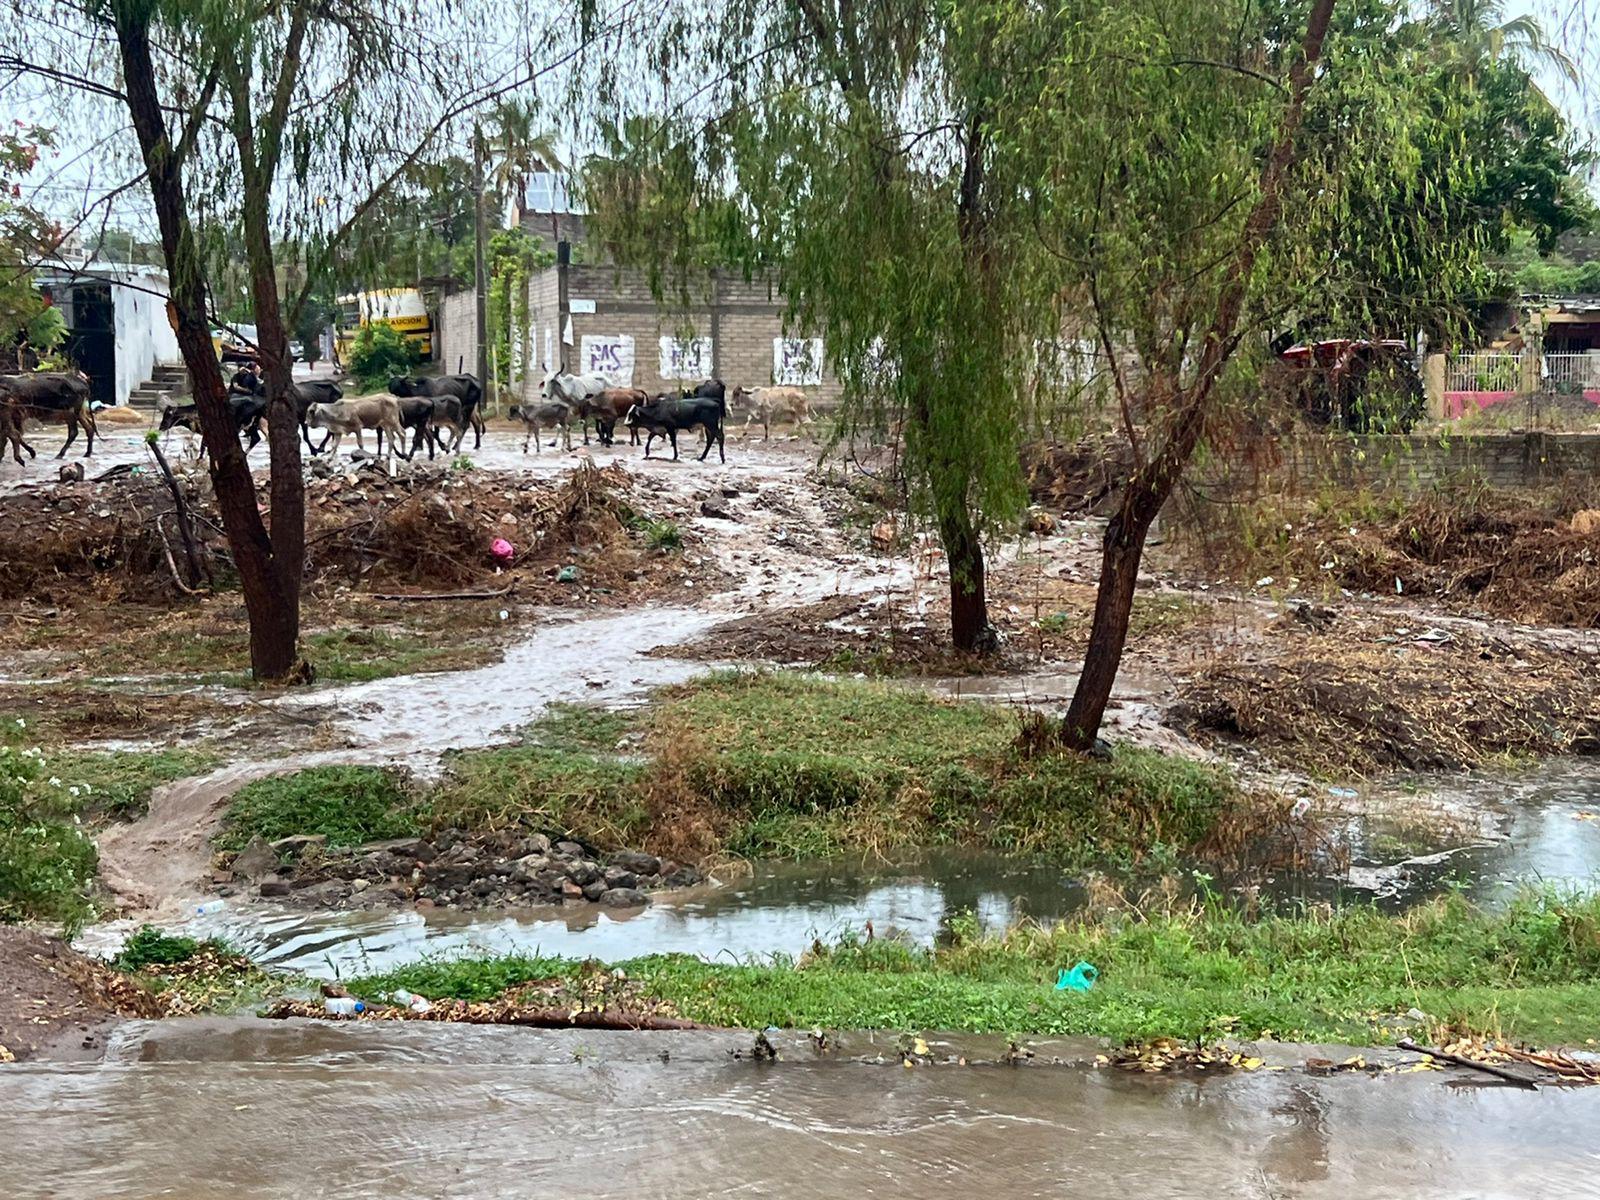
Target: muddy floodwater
<point>271,1109</point>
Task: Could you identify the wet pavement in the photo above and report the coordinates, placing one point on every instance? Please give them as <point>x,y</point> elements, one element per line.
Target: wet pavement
<point>245,1109</point>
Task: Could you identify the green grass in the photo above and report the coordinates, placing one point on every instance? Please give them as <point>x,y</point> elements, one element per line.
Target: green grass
<point>1530,972</point>
<point>350,805</point>
<point>119,783</point>
<point>359,655</point>
<point>788,765</point>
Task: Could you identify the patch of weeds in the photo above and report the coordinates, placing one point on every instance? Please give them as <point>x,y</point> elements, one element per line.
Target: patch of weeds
<point>118,784</point>
<point>150,947</point>
<point>350,805</point>
<point>662,536</point>
<point>1527,972</point>
<point>778,764</point>
<point>359,655</point>
<point>583,728</point>
<point>461,464</point>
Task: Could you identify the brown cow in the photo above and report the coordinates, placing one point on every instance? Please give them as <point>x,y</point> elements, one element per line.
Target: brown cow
<point>53,398</point>
<point>610,406</point>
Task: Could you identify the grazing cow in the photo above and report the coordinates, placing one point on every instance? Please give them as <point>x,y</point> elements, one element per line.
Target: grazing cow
<point>574,390</point>
<point>247,412</point>
<point>465,388</point>
<point>354,416</point>
<point>763,403</point>
<point>53,398</point>
<point>610,406</point>
<point>545,412</point>
<point>666,415</point>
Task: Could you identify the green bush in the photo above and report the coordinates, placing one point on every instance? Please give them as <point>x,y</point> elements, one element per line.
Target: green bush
<point>149,947</point>
<point>350,805</point>
<point>379,351</point>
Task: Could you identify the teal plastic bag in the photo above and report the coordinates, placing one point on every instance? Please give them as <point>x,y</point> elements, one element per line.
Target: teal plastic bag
<point>1080,979</point>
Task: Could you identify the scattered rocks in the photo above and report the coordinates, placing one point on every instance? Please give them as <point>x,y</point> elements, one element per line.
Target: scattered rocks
<point>715,511</point>
<point>498,870</point>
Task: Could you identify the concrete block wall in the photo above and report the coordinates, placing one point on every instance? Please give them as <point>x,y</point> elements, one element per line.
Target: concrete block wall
<point>743,320</point>
<point>457,334</point>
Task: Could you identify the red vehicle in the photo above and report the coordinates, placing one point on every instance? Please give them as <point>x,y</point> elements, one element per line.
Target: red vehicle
<point>1355,384</point>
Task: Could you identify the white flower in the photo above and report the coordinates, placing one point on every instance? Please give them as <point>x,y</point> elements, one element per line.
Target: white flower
<point>54,781</point>
<point>73,789</point>
<point>21,724</point>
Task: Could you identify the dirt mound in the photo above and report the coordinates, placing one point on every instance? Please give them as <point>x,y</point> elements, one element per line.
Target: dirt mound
<point>114,539</point>
<point>1083,477</point>
<point>50,995</point>
<point>1341,704</point>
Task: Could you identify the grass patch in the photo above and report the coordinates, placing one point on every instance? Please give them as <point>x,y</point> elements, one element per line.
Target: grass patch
<point>1528,972</point>
<point>192,976</point>
<point>777,764</point>
<point>118,784</point>
<point>350,805</point>
<point>359,655</point>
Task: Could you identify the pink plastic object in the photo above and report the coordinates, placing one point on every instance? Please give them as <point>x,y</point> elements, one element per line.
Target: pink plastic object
<point>502,550</point>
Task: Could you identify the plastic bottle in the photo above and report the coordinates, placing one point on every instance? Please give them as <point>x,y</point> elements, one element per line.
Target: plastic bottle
<point>206,908</point>
<point>343,1006</point>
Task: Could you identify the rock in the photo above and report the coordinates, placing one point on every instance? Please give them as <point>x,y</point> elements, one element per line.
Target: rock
<point>482,887</point>
<point>583,872</point>
<point>715,511</point>
<point>1041,522</point>
<point>534,843</point>
<point>529,867</point>
<point>255,860</point>
<point>403,847</point>
<point>424,902</point>
<point>360,885</point>
<point>296,844</point>
<point>273,886</point>
<point>729,492</point>
<point>570,890</point>
<point>884,534</point>
<point>680,877</point>
<point>569,849</point>
<point>222,877</point>
<point>327,892</point>
<point>637,862</point>
<point>594,890</point>
<point>1586,521</point>
<point>620,877</point>
<point>624,898</point>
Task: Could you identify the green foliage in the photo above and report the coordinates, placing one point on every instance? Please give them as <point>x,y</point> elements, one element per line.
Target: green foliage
<point>1529,971</point>
<point>511,256</point>
<point>350,805</point>
<point>380,351</point>
<point>794,766</point>
<point>150,947</point>
<point>660,535</point>
<point>25,235</point>
<point>46,861</point>
<point>47,330</point>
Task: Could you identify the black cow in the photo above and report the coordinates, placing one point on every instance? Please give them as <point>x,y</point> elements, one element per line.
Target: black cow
<point>51,397</point>
<point>425,416</point>
<point>464,388</point>
<point>246,410</point>
<point>666,415</point>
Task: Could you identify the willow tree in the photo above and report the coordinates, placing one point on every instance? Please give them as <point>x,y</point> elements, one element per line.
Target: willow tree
<point>262,124</point>
<point>948,192</point>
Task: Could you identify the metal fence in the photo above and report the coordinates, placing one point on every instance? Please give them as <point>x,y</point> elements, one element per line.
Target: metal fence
<point>1485,371</point>
<point>1572,373</point>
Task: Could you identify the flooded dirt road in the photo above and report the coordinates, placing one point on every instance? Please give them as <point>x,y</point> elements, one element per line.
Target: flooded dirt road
<point>271,1109</point>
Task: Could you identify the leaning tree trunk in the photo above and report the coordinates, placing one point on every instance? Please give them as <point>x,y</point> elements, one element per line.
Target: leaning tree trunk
<point>969,609</point>
<point>271,617</point>
<point>1155,479</point>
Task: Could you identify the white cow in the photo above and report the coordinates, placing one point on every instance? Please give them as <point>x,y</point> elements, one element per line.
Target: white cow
<point>767,402</point>
<point>576,391</point>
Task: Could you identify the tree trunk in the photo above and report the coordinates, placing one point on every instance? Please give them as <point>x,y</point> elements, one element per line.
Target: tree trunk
<point>1154,481</point>
<point>270,657</point>
<point>969,610</point>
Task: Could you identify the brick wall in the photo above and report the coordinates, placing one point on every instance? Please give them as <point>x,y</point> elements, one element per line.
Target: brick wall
<point>458,333</point>
<point>1418,461</point>
<point>743,320</point>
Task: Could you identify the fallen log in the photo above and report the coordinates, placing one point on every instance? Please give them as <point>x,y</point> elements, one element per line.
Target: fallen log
<point>1473,1064</point>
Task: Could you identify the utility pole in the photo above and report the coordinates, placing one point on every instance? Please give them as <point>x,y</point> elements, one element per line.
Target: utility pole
<point>479,271</point>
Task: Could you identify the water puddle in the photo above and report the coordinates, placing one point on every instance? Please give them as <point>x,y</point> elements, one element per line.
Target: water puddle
<point>255,1109</point>
<point>782,908</point>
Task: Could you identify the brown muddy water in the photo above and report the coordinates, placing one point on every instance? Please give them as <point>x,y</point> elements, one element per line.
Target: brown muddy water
<point>243,1109</point>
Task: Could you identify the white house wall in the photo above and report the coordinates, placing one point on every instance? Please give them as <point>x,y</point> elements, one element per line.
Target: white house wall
<point>142,333</point>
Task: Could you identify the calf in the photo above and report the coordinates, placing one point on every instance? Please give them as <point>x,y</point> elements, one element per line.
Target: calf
<point>52,398</point>
<point>354,416</point>
<point>427,417</point>
<point>247,412</point>
<point>546,412</point>
<point>574,391</point>
<point>465,389</point>
<point>666,416</point>
<point>610,406</point>
<point>765,402</point>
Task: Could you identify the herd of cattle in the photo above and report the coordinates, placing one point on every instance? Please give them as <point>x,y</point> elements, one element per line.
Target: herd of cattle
<point>435,411</point>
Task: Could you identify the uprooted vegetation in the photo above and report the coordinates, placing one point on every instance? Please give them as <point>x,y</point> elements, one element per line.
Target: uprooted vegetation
<point>1367,697</point>
<point>1530,555</point>
<point>116,539</point>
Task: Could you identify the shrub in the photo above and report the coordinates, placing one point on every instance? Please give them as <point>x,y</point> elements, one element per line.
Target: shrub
<point>46,862</point>
<point>378,351</point>
<point>149,947</point>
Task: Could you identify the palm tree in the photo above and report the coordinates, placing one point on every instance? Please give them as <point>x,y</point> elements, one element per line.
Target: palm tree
<point>517,148</point>
<point>1479,32</point>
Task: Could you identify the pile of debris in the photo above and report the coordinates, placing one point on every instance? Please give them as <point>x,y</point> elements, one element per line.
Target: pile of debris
<point>51,995</point>
<point>1352,702</point>
<point>1083,477</point>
